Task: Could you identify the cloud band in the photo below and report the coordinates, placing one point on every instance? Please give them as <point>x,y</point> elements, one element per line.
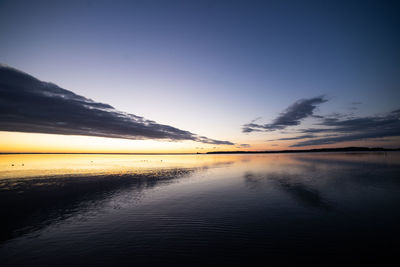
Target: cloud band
<point>30,105</point>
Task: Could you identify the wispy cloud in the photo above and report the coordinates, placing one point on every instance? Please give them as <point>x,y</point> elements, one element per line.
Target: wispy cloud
<point>304,136</point>
<point>354,105</point>
<point>30,105</point>
<point>292,116</point>
<point>243,146</point>
<point>330,129</point>
<point>354,129</point>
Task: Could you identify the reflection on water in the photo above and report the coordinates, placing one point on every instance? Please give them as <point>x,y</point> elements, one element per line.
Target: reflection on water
<point>56,198</point>
<point>325,208</point>
<point>35,165</point>
<point>292,185</point>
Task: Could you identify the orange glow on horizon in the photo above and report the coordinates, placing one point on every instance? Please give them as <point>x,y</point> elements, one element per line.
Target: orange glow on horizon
<point>17,142</point>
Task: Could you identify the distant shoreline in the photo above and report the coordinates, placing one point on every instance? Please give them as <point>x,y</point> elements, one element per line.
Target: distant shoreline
<point>341,149</point>
<point>89,153</point>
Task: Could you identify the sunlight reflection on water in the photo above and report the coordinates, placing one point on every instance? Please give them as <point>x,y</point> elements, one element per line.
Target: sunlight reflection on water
<point>116,209</point>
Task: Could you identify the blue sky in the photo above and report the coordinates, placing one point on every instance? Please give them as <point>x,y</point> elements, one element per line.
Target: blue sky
<point>210,67</point>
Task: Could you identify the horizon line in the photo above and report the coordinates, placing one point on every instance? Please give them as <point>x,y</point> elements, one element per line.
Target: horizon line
<point>334,149</point>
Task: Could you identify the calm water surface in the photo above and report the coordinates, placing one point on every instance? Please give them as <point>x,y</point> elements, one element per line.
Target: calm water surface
<point>121,210</point>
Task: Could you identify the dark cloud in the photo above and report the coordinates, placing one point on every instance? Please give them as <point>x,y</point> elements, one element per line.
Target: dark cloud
<point>292,116</point>
<point>251,127</point>
<point>355,105</point>
<point>304,136</point>
<point>353,129</point>
<point>363,123</point>
<point>256,119</point>
<point>332,128</point>
<point>315,130</point>
<point>30,105</point>
<point>243,145</point>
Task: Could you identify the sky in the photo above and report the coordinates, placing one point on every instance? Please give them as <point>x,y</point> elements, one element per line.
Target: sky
<point>197,76</point>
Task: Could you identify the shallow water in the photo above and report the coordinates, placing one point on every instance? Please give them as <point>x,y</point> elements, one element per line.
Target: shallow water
<point>282,209</point>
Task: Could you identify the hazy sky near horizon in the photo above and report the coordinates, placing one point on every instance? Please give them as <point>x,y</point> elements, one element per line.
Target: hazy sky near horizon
<point>212,67</point>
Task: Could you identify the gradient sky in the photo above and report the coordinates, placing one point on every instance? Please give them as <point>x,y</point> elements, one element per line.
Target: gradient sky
<point>213,67</point>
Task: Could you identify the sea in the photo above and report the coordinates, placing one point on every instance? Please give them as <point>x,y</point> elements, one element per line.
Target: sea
<point>315,209</point>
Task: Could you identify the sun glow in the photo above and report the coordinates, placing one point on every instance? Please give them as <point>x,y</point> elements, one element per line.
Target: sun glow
<point>16,142</point>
